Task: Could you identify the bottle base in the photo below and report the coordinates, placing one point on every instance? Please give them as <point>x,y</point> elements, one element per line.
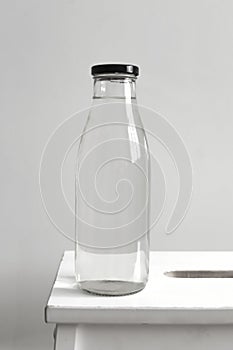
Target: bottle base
<point>111,287</point>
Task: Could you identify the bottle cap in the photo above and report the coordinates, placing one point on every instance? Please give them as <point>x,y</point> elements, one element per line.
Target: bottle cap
<point>128,69</point>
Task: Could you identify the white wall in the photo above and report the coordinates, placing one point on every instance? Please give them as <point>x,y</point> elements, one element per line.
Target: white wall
<point>185,52</point>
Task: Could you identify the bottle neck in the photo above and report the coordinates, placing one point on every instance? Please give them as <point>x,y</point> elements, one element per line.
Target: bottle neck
<point>114,88</point>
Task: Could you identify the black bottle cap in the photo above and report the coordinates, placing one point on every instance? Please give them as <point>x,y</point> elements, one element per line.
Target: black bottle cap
<point>114,69</point>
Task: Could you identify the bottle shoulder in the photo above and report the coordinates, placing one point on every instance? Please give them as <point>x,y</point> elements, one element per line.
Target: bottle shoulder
<point>114,114</point>
<point>115,127</point>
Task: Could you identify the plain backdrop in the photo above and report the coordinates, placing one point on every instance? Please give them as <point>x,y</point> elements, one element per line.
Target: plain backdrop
<point>185,51</point>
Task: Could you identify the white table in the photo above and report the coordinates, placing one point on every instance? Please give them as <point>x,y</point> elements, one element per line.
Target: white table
<point>170,313</point>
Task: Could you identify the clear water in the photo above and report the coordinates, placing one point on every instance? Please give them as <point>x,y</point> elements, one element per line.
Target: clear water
<point>112,191</point>
<point>118,271</point>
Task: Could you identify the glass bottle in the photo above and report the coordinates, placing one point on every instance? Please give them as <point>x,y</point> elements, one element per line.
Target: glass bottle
<point>113,188</point>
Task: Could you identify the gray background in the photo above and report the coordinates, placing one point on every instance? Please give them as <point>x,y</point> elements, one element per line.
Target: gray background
<point>185,52</point>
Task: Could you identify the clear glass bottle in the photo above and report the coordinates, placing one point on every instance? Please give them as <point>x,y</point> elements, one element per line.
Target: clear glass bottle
<point>113,188</point>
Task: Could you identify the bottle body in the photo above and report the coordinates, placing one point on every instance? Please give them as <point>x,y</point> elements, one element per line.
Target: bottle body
<point>113,193</point>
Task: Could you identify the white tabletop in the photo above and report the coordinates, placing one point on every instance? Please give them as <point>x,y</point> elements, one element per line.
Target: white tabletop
<point>165,300</point>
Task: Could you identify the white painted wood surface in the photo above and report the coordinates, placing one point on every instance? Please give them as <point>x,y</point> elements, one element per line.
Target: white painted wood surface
<point>65,337</point>
<point>165,300</point>
<point>151,337</point>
